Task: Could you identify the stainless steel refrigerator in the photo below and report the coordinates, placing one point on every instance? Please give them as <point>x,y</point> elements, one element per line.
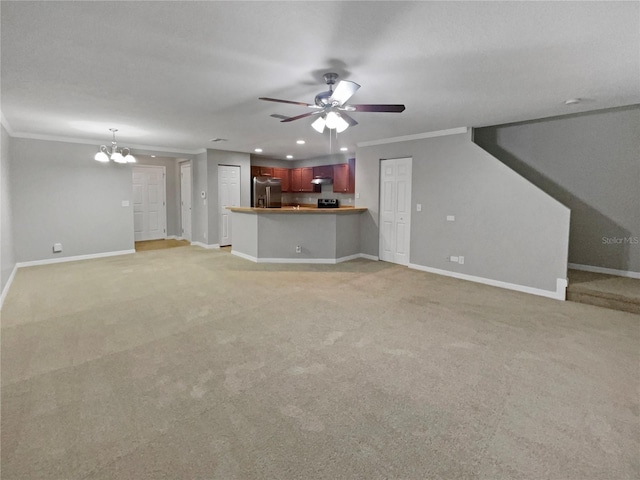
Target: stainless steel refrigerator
<point>267,192</point>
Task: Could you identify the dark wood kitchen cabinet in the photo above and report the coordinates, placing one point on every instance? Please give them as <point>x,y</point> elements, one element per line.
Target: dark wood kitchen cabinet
<point>341,178</point>
<point>261,171</point>
<point>344,177</point>
<point>301,179</point>
<point>285,175</point>
<point>323,171</point>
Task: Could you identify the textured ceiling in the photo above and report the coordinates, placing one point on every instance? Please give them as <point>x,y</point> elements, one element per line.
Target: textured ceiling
<point>173,75</point>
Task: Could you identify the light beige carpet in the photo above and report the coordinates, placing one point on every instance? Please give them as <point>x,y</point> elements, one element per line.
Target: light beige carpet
<point>189,363</point>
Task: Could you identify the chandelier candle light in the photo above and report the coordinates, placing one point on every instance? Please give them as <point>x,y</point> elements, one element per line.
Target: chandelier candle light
<point>118,155</point>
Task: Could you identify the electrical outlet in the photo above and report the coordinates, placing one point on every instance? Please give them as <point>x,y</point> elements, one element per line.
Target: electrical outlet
<point>298,249</point>
<point>57,247</point>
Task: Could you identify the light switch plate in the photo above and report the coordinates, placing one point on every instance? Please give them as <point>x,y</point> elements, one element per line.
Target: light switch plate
<point>451,218</point>
<point>461,260</point>
<point>453,258</point>
<point>125,203</point>
<point>418,207</point>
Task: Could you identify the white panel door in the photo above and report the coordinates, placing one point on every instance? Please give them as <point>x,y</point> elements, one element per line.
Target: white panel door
<point>395,210</point>
<point>185,200</point>
<point>228,196</point>
<point>149,206</point>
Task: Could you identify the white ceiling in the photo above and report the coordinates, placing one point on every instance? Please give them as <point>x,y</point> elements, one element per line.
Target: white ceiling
<point>173,75</point>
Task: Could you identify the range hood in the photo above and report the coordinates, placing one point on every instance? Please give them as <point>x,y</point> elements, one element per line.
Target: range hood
<point>322,181</point>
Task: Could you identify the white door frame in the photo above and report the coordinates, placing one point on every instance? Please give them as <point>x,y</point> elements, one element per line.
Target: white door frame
<point>163,210</point>
<point>186,217</point>
<point>394,221</point>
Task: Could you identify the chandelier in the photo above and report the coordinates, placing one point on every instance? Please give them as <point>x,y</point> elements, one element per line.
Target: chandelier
<point>118,155</point>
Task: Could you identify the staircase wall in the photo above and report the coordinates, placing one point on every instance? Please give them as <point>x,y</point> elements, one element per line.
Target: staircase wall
<point>591,163</point>
<point>510,232</point>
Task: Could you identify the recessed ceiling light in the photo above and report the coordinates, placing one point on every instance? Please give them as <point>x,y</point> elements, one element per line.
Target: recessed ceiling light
<point>572,101</point>
<point>344,149</point>
<point>289,157</point>
<point>300,142</point>
<point>258,150</point>
<point>153,156</point>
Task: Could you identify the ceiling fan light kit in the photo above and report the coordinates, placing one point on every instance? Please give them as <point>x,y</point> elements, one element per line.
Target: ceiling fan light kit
<point>118,155</point>
<point>332,106</point>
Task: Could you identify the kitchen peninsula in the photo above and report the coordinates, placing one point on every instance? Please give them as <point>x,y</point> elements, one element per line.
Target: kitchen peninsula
<point>296,235</point>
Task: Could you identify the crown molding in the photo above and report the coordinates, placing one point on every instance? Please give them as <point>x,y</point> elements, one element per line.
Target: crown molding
<point>418,136</point>
<point>84,141</point>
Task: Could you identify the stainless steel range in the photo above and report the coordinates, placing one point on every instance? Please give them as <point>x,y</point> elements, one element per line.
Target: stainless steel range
<point>328,203</point>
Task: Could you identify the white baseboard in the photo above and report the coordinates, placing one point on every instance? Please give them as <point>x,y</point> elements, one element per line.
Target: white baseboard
<point>298,260</point>
<point>607,271</point>
<point>375,258</point>
<point>326,261</point>
<point>204,245</point>
<point>5,290</point>
<point>244,255</point>
<point>73,259</point>
<point>558,294</point>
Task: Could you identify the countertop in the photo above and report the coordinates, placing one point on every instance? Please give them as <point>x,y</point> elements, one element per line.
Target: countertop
<point>300,210</point>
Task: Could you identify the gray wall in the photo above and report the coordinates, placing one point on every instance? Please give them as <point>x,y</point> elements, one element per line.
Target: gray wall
<point>591,163</point>
<point>221,157</point>
<point>347,235</point>
<point>199,209</point>
<point>205,179</point>
<point>61,194</point>
<point>172,169</point>
<point>278,236</point>
<point>333,159</point>
<point>7,251</point>
<point>507,229</point>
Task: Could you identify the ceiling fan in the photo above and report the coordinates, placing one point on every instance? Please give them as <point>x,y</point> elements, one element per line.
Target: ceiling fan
<point>331,106</point>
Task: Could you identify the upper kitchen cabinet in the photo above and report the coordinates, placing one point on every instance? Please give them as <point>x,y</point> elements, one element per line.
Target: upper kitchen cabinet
<point>323,171</point>
<point>285,175</point>
<point>261,171</point>
<point>344,177</point>
<point>301,180</point>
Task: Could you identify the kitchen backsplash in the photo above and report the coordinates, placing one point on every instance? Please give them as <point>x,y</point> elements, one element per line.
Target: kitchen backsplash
<point>299,198</point>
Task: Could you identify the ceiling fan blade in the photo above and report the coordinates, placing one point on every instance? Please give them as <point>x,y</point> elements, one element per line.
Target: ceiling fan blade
<point>343,92</point>
<point>350,120</point>
<point>291,119</point>
<point>287,101</point>
<point>277,115</point>
<point>378,108</point>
